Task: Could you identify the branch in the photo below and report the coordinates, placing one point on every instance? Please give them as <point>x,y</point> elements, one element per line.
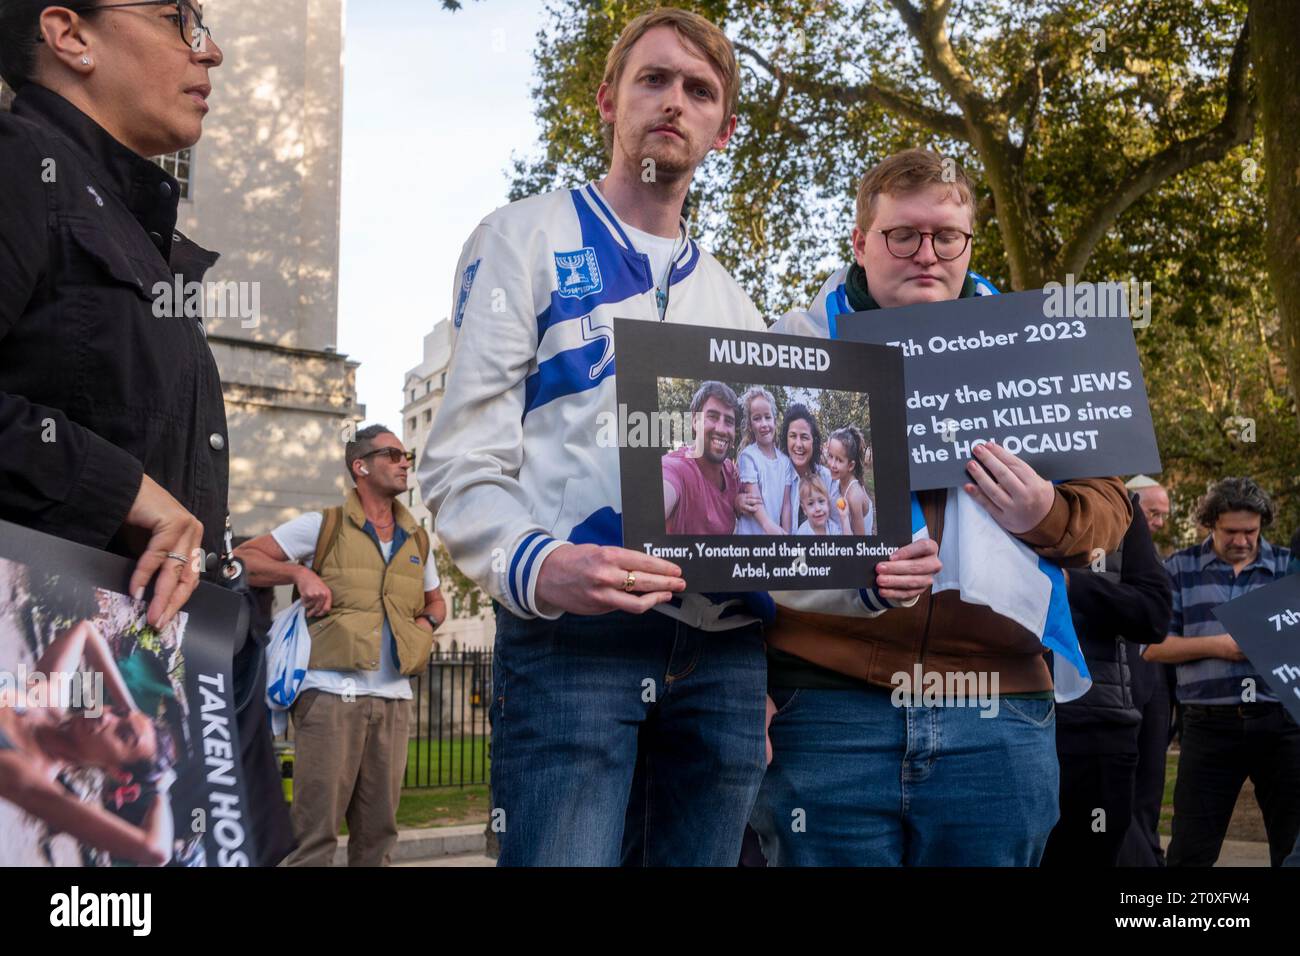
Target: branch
<point>940,122</point>
<point>1236,127</point>
<point>1053,54</point>
<point>928,29</point>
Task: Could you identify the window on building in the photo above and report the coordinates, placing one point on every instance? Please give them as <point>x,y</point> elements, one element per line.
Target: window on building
<point>178,164</point>
<point>443,382</point>
<point>412,394</point>
<point>428,416</point>
<point>411,424</point>
<point>428,386</point>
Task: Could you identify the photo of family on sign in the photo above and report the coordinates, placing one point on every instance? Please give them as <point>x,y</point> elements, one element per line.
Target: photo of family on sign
<point>767,460</point>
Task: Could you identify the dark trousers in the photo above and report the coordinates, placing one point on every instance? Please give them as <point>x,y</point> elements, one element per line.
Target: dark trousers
<point>1096,810</point>
<point>1221,747</point>
<point>1142,843</point>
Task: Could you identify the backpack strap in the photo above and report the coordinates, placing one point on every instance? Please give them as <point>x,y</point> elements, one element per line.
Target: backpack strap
<point>330,526</point>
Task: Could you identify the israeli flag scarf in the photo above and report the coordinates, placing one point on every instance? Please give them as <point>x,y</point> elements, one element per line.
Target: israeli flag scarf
<point>988,566</point>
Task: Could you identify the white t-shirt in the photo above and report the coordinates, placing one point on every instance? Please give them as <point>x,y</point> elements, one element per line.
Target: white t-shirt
<point>772,475</point>
<point>868,519</point>
<point>297,539</point>
<point>660,250</point>
<point>832,523</point>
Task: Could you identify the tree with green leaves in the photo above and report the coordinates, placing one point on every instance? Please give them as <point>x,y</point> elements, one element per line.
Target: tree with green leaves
<point>1111,140</point>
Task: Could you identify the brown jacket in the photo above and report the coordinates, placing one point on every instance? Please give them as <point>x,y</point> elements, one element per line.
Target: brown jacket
<point>942,632</point>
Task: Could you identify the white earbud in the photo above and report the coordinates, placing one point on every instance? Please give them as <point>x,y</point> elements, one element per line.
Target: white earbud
<point>365,470</point>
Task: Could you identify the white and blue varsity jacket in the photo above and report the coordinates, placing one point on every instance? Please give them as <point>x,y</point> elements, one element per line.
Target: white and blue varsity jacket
<point>512,468</point>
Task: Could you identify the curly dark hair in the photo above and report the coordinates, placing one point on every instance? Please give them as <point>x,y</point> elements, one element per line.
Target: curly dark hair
<point>1234,494</point>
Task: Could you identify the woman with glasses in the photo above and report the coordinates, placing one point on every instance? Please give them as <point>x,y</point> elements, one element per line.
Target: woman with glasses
<point>112,426</point>
<point>112,423</point>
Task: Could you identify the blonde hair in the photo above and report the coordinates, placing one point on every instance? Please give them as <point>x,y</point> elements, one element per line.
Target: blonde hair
<point>751,393</point>
<point>908,172</point>
<point>812,483</point>
<point>693,30</point>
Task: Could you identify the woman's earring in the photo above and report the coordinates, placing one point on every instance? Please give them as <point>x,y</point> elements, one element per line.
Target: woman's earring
<point>85,61</point>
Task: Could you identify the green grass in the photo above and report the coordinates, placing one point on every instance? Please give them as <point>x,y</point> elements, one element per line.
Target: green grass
<point>446,763</point>
<point>443,806</point>
<point>422,807</point>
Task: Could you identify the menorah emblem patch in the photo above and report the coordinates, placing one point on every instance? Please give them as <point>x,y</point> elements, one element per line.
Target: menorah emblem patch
<point>578,273</point>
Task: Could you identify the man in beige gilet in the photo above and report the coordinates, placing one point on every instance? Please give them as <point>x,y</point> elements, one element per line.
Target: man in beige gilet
<point>370,592</point>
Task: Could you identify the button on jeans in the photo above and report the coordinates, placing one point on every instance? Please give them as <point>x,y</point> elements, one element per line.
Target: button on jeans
<point>856,781</point>
<point>624,738</point>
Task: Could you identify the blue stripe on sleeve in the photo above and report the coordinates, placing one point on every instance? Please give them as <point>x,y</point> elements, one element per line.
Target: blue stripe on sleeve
<point>514,564</point>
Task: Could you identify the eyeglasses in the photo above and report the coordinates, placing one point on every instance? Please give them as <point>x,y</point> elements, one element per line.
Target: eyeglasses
<point>188,19</point>
<point>904,241</point>
<point>394,454</point>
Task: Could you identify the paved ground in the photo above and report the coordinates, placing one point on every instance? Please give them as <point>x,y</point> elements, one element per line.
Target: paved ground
<point>1235,853</point>
<point>468,859</point>
<point>1238,853</point>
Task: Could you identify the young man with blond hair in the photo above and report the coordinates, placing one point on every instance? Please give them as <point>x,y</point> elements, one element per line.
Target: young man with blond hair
<point>618,735</point>
<point>862,775</point>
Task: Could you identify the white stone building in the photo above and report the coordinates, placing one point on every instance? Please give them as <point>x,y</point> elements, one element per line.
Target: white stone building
<point>423,388</point>
<point>264,190</point>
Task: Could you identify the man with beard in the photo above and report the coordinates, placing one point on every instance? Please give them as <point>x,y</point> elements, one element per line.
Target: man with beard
<point>701,483</point>
<point>617,735</point>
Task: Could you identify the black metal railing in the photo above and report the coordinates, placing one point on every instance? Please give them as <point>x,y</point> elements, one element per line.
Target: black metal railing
<point>449,738</point>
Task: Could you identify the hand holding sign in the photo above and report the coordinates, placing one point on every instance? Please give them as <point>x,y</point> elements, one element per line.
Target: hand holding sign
<point>910,571</point>
<point>592,579</point>
<point>1010,490</point>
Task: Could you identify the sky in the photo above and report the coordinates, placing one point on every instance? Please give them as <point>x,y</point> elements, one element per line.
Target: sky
<point>434,105</point>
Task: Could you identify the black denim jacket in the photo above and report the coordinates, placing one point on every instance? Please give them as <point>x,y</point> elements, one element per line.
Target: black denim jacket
<point>95,388</point>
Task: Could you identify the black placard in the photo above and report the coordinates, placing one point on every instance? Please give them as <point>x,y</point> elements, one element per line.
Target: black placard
<point>1066,394</point>
<point>660,366</point>
<point>1265,623</point>
<point>181,682</point>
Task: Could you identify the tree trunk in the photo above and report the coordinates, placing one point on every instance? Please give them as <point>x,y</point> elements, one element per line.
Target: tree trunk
<point>1275,49</point>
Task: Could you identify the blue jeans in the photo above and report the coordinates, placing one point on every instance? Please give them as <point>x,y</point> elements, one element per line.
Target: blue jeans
<point>856,781</point>
<point>625,739</point>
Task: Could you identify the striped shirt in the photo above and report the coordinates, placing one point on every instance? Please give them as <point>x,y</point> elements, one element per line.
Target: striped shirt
<point>1201,582</point>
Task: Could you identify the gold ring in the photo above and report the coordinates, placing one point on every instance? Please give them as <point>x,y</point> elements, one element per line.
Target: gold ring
<point>630,583</point>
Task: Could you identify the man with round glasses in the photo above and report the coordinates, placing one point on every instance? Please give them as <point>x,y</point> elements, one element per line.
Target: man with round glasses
<point>876,780</point>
